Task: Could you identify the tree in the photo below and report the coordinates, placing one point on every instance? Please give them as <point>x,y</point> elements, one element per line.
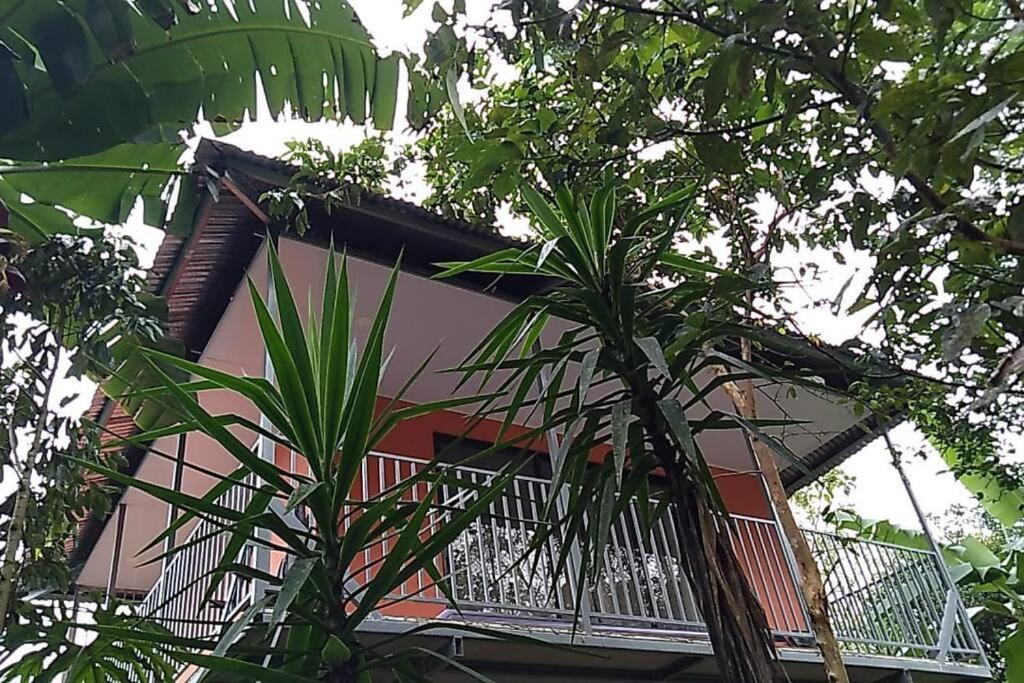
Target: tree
<point>97,93</point>
<point>645,322</point>
<point>887,127</point>
<point>68,306</point>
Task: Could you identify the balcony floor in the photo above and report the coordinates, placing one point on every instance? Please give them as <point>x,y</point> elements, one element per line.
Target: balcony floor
<point>559,655</point>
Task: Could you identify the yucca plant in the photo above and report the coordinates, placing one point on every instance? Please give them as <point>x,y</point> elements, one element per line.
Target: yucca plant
<point>646,328</point>
<point>321,405</point>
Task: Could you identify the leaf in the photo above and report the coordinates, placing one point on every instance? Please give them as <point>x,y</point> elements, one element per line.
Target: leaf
<point>235,629</point>
<point>605,510</point>
<point>242,669</point>
<point>294,580</point>
<point>301,493</point>
<point>962,331</point>
<point>452,88</point>
<point>620,426</point>
<point>210,60</point>
<point>770,441</point>
<point>103,186</point>
<point>410,6</point>
<point>985,118</point>
<point>543,211</point>
<point>716,83</point>
<point>1012,650</point>
<point>587,366</point>
<point>719,154</point>
<point>676,260</point>
<point>652,349</point>
<point>335,652</point>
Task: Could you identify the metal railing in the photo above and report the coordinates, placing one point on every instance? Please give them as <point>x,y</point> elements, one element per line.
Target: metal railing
<point>176,599</point>
<point>885,599</point>
<point>892,600</point>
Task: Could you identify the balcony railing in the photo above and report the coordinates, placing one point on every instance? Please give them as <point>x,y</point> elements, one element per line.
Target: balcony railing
<point>885,600</point>
<point>177,598</point>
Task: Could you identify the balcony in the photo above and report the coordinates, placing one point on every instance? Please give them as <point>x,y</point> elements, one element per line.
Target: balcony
<point>890,606</point>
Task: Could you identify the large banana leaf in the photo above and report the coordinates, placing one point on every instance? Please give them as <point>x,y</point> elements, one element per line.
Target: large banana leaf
<point>96,92</point>
<point>86,75</point>
<point>103,187</point>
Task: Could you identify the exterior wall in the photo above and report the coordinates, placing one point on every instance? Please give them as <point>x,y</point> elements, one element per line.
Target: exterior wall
<point>416,325</point>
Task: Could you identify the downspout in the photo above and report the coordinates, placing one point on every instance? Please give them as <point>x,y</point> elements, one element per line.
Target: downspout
<point>947,578</point>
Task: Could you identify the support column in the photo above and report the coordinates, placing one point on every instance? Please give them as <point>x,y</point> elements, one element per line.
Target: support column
<point>115,558</point>
<point>947,579</point>
<point>265,445</point>
<point>575,559</point>
<point>172,515</point>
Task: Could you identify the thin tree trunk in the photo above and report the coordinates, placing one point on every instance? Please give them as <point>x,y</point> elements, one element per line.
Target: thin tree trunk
<point>15,532</point>
<point>16,527</point>
<point>740,636</point>
<point>811,586</point>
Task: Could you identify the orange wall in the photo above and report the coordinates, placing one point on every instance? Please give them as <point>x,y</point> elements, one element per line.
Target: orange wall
<point>742,492</point>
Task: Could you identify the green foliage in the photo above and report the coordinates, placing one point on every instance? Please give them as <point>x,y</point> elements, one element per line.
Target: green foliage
<point>52,636</point>
<point>818,498</point>
<point>97,92</point>
<point>887,127</point>
<point>73,306</point>
<point>982,556</point>
<point>329,180</point>
<point>646,330</point>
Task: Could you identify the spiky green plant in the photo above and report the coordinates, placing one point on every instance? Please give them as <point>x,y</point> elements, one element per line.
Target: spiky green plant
<point>321,405</point>
<point>647,328</point>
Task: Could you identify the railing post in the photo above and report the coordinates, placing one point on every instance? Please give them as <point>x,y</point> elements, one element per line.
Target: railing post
<point>575,559</point>
<point>947,579</point>
<point>172,515</point>
<point>265,447</point>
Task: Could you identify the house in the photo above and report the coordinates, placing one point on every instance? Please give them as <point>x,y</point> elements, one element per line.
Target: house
<point>894,609</point>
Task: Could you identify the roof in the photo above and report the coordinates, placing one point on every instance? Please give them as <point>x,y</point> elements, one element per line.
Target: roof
<point>199,274</point>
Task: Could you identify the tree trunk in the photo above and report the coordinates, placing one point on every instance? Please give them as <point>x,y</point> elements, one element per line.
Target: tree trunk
<point>15,532</point>
<point>16,527</point>
<point>811,586</point>
<point>736,622</point>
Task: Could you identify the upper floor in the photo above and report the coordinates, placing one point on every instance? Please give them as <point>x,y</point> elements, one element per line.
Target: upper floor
<point>892,607</point>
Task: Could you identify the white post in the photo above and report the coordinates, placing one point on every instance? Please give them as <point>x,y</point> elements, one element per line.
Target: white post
<point>943,569</point>
<point>115,557</point>
<point>561,505</point>
<point>265,444</point>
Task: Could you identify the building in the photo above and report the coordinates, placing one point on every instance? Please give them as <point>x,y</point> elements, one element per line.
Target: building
<point>894,609</point>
